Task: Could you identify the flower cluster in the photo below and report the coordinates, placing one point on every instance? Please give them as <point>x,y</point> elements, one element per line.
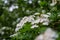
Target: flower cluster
<point>43,19</point>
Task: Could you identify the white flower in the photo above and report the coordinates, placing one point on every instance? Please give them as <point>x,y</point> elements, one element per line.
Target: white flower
<point>45,23</point>
<point>22,22</point>
<point>17,28</point>
<point>5,1</point>
<point>39,1</point>
<point>3,28</point>
<point>36,13</point>
<point>15,6</point>
<point>52,4</point>
<point>14,35</point>
<point>34,26</point>
<point>49,13</point>
<point>12,8</point>
<point>42,19</point>
<point>35,21</point>
<point>45,15</point>
<point>30,1</point>
<point>31,18</point>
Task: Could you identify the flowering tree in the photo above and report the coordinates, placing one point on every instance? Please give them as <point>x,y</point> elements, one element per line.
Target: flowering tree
<point>29,19</point>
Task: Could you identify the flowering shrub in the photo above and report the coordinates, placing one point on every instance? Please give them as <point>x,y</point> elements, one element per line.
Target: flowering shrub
<point>29,20</point>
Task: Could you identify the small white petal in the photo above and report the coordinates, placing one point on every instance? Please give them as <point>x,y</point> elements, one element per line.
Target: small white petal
<point>5,1</point>
<point>17,29</point>
<point>52,4</point>
<point>49,13</point>
<point>3,28</point>
<point>45,23</point>
<point>45,15</point>
<point>14,35</point>
<point>34,26</point>
<point>36,13</point>
<point>30,1</point>
<point>39,1</point>
<point>36,21</point>
<point>16,6</point>
<point>12,8</point>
